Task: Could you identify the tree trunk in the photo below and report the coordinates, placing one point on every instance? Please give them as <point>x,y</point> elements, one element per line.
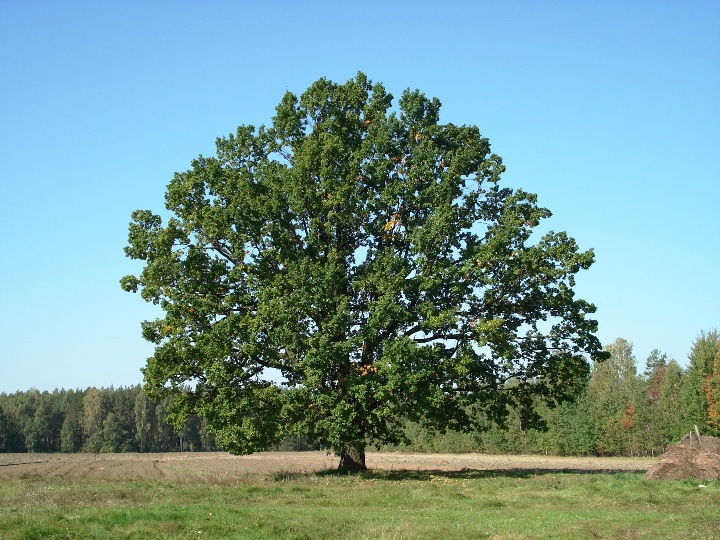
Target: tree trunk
<point>352,459</point>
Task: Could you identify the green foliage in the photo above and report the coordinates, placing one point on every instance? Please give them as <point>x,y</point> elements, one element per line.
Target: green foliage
<point>694,391</point>
<point>570,429</point>
<point>94,420</point>
<point>670,406</point>
<point>712,393</point>
<point>71,432</point>
<point>619,412</point>
<point>96,407</point>
<point>370,257</point>
<point>3,430</point>
<point>145,422</point>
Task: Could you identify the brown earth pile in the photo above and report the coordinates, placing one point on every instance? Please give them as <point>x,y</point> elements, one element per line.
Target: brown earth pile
<point>688,459</point>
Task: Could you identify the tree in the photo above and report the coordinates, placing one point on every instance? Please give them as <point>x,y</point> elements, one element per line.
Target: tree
<point>672,426</point>
<point>712,393</point>
<point>3,429</point>
<point>649,410</point>
<point>31,424</point>
<point>571,429</point>
<point>123,405</point>
<point>655,367</point>
<point>71,431</point>
<point>164,437</point>
<point>47,424</point>
<point>698,380</point>
<point>96,406</point>
<point>11,438</point>
<point>352,266</point>
<point>610,399</point>
<point>144,412</point>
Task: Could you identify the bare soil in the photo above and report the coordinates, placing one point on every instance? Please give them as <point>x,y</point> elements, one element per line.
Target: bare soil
<point>218,466</point>
<point>689,459</point>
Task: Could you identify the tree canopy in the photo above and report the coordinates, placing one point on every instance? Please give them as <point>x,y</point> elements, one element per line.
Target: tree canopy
<point>353,265</point>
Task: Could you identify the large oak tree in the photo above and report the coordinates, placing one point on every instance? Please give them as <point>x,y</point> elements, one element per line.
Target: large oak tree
<point>354,265</point>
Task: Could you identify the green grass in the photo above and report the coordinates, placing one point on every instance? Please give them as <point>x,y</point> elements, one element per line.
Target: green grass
<point>377,505</point>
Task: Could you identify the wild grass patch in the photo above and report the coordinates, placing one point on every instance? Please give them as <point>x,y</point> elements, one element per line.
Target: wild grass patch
<point>385,505</point>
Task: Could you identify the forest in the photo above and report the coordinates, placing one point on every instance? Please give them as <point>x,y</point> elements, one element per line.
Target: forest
<point>620,411</point>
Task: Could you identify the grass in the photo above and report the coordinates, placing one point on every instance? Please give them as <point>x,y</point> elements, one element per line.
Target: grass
<point>377,505</point>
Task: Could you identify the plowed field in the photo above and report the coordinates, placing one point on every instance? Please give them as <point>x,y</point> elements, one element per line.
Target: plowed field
<point>217,466</point>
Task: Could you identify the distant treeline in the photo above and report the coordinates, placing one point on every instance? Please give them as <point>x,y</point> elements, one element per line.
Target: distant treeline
<point>94,420</point>
<point>619,412</point>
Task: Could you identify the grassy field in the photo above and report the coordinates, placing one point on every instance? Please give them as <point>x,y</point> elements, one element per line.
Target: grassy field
<point>381,504</point>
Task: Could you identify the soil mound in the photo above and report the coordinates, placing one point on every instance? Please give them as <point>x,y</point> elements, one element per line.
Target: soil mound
<point>689,459</point>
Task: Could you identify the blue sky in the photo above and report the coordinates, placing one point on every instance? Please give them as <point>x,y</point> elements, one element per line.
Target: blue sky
<point>609,111</point>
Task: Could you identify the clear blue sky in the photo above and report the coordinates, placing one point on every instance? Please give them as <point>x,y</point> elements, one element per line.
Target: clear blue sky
<point>610,111</point>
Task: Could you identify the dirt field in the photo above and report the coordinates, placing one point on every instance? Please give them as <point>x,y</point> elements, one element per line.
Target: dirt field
<point>217,466</point>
